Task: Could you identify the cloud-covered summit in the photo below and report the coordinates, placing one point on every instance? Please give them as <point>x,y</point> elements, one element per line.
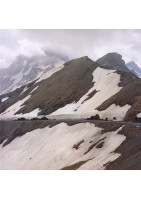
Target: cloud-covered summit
<point>72,43</point>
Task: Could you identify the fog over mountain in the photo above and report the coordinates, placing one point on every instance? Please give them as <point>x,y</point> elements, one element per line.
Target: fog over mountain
<point>19,49</point>
<point>25,69</point>
<point>132,66</point>
<point>71,43</point>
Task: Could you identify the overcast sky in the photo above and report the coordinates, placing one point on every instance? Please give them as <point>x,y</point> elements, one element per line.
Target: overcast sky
<point>72,43</point>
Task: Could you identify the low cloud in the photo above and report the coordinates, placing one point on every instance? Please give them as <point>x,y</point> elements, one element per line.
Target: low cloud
<point>72,43</point>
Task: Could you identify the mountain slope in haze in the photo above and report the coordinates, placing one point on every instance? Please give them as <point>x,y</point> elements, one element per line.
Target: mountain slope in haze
<point>26,69</point>
<point>80,88</point>
<point>133,67</point>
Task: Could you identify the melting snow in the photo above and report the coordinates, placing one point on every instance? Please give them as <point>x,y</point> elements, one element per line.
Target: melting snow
<point>49,73</point>
<point>9,112</point>
<point>114,111</point>
<point>106,84</point>
<point>34,89</point>
<point>4,99</point>
<point>26,88</point>
<point>139,115</point>
<point>52,148</point>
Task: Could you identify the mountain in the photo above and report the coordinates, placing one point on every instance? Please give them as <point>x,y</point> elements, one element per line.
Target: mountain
<point>70,95</point>
<point>133,67</point>
<point>26,69</point>
<point>113,61</point>
<point>80,86</point>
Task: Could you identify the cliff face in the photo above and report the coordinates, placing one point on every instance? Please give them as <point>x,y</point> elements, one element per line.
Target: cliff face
<point>113,61</point>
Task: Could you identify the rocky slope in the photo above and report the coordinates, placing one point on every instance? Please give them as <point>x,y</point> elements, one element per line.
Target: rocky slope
<point>113,61</point>
<point>26,69</point>
<point>79,87</point>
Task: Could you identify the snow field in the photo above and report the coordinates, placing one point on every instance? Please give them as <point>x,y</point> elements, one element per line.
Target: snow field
<point>106,84</point>
<point>52,148</point>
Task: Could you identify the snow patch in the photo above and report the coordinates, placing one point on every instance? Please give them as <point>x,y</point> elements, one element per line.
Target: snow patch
<point>34,89</point>
<point>30,115</point>
<point>9,112</point>
<point>101,78</point>
<point>139,115</point>
<point>49,73</point>
<point>26,88</point>
<point>114,111</point>
<point>4,99</point>
<point>52,148</point>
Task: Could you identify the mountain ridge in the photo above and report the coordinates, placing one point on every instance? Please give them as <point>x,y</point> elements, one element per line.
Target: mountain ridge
<point>63,90</point>
<point>83,89</point>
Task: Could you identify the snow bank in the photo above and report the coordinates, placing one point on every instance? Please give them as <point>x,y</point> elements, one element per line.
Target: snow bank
<point>139,115</point>
<point>52,148</point>
<point>34,89</point>
<point>9,112</point>
<point>25,89</point>
<point>114,111</point>
<point>4,99</point>
<point>49,73</point>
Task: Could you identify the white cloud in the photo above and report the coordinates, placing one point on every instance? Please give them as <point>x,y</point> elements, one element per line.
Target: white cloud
<point>72,43</point>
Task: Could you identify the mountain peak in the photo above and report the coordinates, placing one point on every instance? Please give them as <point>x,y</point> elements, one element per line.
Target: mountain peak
<point>113,61</point>
<point>82,61</point>
<point>132,66</point>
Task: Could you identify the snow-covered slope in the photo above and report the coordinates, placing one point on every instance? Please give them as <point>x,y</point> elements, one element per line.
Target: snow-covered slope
<point>26,69</point>
<point>102,79</point>
<point>80,88</point>
<point>69,145</point>
<point>62,146</point>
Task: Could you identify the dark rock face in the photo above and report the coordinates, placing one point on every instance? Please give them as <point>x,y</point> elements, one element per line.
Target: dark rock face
<point>113,61</point>
<point>134,68</point>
